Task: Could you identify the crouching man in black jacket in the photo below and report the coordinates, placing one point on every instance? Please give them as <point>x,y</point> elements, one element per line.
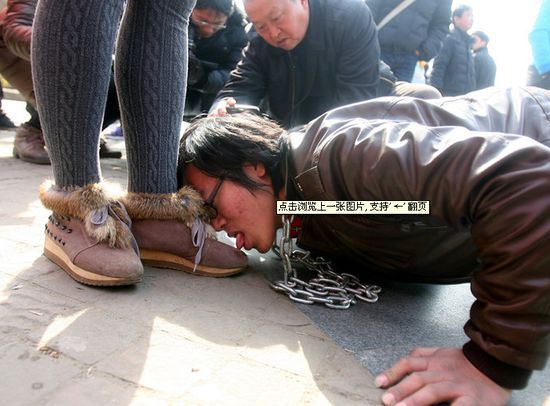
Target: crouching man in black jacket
<point>309,56</point>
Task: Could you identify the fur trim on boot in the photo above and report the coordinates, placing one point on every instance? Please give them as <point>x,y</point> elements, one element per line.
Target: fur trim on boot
<point>95,205</point>
<point>186,205</point>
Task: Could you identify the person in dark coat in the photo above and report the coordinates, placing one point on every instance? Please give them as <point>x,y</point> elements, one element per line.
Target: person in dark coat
<point>416,33</point>
<point>485,66</point>
<point>216,38</point>
<point>307,57</point>
<point>481,161</point>
<point>453,70</point>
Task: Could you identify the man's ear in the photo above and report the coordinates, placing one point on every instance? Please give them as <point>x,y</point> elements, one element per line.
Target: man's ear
<point>255,171</point>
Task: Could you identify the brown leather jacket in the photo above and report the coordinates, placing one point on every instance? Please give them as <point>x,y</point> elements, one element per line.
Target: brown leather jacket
<point>15,42</point>
<point>489,207</point>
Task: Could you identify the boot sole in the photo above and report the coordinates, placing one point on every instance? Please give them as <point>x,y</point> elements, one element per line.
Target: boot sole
<point>55,254</point>
<point>161,259</point>
<point>31,160</point>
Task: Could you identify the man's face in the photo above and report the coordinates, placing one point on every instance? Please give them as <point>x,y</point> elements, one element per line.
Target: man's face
<point>208,21</point>
<point>250,218</point>
<point>478,43</point>
<point>465,22</point>
<point>281,23</point>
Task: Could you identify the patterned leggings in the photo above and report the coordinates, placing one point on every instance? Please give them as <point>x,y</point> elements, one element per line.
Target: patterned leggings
<point>72,47</point>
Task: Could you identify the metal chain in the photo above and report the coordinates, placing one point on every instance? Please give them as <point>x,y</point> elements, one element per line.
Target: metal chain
<point>334,290</point>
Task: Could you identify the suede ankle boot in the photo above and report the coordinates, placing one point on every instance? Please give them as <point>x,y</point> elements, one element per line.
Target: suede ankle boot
<point>170,234</point>
<point>29,145</point>
<point>88,235</point>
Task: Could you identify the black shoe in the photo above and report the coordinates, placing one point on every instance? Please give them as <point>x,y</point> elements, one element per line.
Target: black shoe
<point>106,152</point>
<point>5,122</point>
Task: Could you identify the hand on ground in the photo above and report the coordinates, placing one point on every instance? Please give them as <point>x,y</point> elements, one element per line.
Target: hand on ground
<point>432,375</point>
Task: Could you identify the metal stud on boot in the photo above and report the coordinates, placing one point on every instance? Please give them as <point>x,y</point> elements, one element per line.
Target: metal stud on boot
<point>88,236</point>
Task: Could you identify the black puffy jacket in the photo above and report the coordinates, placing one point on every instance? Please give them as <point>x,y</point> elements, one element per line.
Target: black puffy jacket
<point>420,27</point>
<point>453,71</point>
<point>336,63</point>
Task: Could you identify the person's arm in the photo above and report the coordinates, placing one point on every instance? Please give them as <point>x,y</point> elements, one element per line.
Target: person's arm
<point>375,6</point>
<point>540,39</point>
<point>441,62</point>
<point>437,30</point>
<point>247,82</point>
<point>216,78</point>
<point>357,65</point>
<point>496,186</point>
<point>17,27</point>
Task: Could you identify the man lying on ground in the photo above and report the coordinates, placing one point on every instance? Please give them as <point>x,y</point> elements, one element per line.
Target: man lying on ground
<point>483,163</point>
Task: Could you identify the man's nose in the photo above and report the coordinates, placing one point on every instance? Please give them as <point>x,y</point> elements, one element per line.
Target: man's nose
<point>218,223</point>
<point>274,32</point>
<point>208,30</point>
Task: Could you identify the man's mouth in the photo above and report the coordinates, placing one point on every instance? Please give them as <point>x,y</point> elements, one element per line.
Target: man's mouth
<point>281,42</point>
<point>240,240</point>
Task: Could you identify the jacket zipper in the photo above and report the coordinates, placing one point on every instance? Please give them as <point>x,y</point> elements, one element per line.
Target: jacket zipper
<point>292,88</point>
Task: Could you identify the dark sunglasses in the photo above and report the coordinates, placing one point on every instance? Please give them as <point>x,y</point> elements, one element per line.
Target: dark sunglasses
<point>211,210</point>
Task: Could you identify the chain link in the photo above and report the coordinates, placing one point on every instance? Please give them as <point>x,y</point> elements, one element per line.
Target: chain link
<point>334,290</point>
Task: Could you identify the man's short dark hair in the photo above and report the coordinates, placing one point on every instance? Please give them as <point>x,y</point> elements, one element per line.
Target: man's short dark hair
<point>482,36</point>
<point>460,10</point>
<point>223,6</point>
<point>221,146</point>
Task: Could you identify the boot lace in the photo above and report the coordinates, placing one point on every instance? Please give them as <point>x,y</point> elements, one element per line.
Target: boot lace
<point>116,210</point>
<point>198,236</point>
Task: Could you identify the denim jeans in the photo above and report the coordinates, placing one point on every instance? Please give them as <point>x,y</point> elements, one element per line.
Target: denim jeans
<point>401,63</point>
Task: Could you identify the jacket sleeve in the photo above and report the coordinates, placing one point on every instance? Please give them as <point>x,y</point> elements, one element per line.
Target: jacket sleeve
<point>441,62</point>
<point>375,7</point>
<point>437,30</point>
<point>18,27</point>
<point>357,67</point>
<point>540,39</point>
<point>495,185</point>
<point>247,82</point>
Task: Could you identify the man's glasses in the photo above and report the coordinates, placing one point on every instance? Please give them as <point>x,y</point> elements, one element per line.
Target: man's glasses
<point>203,23</point>
<point>211,210</point>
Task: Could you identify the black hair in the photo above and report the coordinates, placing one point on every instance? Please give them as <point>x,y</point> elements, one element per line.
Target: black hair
<point>221,146</point>
<point>460,10</point>
<point>223,6</point>
<point>482,36</point>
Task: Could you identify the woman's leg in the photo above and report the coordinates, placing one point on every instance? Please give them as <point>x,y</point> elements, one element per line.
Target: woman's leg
<point>87,234</point>
<point>72,46</point>
<point>151,77</point>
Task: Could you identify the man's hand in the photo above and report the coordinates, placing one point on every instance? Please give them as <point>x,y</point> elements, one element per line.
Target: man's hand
<point>432,375</point>
<point>220,108</point>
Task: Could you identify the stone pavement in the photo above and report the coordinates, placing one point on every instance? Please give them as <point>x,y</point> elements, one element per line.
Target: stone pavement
<point>181,339</point>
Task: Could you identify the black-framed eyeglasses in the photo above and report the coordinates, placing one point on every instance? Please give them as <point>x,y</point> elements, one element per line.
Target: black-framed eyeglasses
<point>203,23</point>
<point>211,210</point>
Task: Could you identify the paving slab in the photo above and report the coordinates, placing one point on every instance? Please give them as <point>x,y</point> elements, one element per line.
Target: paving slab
<point>175,338</point>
